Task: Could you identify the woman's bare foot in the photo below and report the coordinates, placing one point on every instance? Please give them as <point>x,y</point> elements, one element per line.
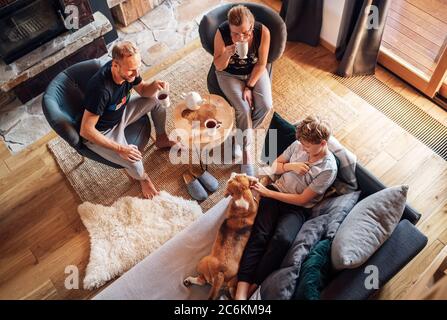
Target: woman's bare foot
<point>163,142</point>
<point>148,188</point>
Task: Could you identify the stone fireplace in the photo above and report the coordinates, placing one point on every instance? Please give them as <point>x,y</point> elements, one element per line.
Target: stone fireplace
<point>26,25</point>
<point>35,45</point>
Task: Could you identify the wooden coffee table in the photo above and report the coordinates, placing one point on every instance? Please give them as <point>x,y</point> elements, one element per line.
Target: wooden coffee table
<point>191,124</point>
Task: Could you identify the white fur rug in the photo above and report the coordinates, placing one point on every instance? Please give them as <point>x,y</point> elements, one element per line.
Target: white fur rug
<point>123,234</point>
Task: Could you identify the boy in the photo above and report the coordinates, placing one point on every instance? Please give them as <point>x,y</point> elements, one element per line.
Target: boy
<point>307,169</point>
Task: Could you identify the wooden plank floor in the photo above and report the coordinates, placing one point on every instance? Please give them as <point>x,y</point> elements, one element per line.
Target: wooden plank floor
<point>41,233</point>
<point>416,31</point>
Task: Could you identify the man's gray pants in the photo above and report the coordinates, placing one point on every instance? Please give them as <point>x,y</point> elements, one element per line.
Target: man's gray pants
<point>135,109</point>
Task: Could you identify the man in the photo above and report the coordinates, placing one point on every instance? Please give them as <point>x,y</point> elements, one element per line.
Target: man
<point>109,109</point>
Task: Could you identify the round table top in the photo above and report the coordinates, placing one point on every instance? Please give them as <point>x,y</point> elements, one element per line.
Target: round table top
<point>190,124</point>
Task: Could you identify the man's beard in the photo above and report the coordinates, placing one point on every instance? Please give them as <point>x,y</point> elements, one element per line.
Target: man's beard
<point>126,78</point>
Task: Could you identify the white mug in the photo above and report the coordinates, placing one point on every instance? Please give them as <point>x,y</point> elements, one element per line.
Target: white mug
<point>211,126</point>
<point>242,49</point>
<point>193,100</point>
<point>163,98</point>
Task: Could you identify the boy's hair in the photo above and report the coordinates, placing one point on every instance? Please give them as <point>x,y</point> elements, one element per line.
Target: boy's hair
<point>313,130</point>
<point>124,49</point>
<point>238,14</point>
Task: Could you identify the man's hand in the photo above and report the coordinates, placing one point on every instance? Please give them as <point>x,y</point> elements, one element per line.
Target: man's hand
<point>130,153</point>
<point>263,191</point>
<point>299,167</point>
<point>159,85</point>
<point>248,96</point>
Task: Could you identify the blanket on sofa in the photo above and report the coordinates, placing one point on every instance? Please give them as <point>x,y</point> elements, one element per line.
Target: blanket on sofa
<point>281,284</point>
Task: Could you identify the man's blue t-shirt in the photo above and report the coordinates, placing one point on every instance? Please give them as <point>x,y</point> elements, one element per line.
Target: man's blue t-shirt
<point>106,98</point>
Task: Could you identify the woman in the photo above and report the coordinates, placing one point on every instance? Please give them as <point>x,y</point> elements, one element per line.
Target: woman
<point>307,169</point>
<point>245,82</point>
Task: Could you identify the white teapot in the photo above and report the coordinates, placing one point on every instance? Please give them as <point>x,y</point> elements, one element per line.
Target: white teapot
<point>193,100</point>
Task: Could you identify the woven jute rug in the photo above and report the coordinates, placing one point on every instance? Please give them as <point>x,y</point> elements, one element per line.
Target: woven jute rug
<point>296,94</point>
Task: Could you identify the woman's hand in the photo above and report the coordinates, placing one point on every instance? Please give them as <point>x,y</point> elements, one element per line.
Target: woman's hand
<point>263,191</point>
<point>230,50</point>
<point>299,167</point>
<point>247,95</point>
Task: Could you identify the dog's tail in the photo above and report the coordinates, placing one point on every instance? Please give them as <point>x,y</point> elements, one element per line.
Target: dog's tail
<point>217,285</point>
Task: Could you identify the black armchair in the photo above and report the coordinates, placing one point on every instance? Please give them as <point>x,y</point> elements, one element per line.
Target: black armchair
<point>267,16</point>
<point>63,109</point>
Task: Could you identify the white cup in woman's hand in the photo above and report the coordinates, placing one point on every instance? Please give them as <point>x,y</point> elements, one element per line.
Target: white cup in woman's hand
<point>242,49</point>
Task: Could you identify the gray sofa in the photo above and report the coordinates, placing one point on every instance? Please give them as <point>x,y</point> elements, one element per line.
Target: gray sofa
<point>161,274</point>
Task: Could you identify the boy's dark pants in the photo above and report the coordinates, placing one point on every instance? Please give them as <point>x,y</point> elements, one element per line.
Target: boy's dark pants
<point>274,230</point>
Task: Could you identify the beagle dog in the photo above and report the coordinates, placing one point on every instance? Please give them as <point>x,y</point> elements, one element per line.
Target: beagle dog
<point>220,267</point>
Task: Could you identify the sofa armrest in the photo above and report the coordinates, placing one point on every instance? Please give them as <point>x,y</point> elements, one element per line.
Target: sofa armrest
<point>404,244</point>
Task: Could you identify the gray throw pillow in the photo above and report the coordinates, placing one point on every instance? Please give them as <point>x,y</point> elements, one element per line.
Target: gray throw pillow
<point>369,224</point>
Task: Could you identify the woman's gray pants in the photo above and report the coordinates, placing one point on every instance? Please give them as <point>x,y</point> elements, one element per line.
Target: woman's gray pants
<point>233,88</point>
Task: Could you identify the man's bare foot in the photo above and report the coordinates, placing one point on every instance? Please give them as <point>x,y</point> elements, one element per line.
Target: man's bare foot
<point>148,188</point>
<point>163,142</point>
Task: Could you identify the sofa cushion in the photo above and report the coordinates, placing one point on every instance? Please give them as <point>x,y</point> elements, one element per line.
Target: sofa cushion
<point>367,227</point>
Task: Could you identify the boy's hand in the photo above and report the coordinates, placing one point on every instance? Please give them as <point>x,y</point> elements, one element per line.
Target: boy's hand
<point>263,191</point>
<point>299,167</point>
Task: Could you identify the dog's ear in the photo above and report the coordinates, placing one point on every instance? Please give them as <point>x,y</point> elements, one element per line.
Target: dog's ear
<point>227,191</point>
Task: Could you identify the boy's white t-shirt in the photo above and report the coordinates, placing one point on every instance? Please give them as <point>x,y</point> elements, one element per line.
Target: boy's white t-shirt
<point>319,178</point>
